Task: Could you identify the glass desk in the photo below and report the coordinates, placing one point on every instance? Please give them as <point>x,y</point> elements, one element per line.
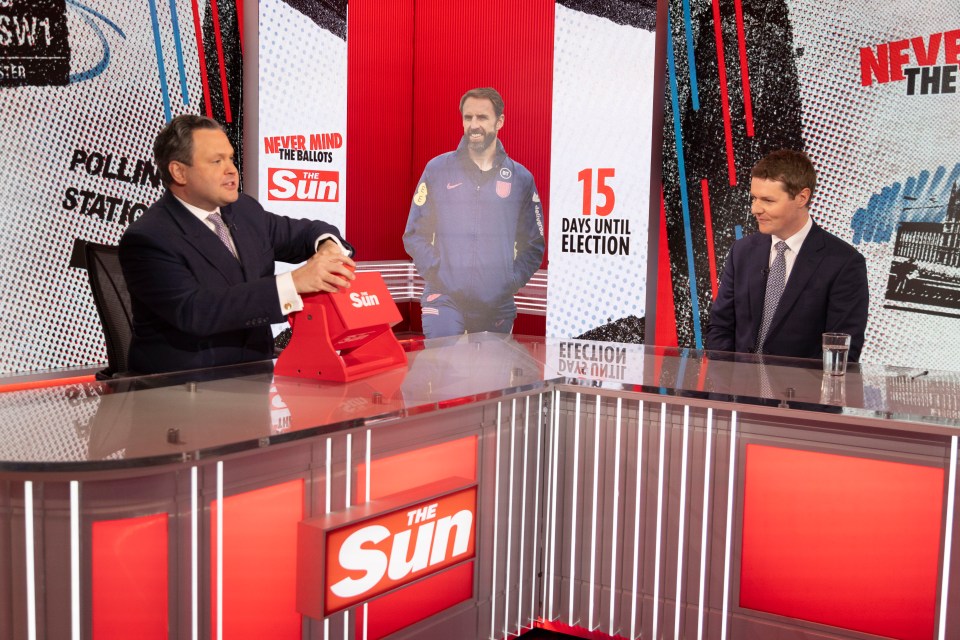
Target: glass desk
<point>620,490</point>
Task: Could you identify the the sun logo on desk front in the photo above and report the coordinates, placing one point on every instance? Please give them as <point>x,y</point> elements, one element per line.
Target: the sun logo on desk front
<point>378,555</point>
<point>430,548</point>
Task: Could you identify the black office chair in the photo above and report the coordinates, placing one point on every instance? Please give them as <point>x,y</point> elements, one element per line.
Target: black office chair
<point>113,305</point>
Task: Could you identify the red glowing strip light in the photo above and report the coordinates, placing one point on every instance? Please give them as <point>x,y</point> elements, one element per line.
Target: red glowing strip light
<point>223,69</point>
<point>259,562</point>
<point>744,72</point>
<point>708,227</point>
<point>203,60</point>
<point>129,577</point>
<point>724,97</point>
<point>841,540</point>
<point>43,384</point>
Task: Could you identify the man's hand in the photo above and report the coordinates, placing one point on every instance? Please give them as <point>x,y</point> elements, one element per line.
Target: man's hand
<point>329,269</point>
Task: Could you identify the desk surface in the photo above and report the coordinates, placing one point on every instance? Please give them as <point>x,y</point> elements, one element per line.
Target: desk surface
<point>163,419</point>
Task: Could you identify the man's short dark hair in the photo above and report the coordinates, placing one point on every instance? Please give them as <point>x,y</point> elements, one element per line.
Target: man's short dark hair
<point>485,93</point>
<point>792,168</point>
<point>175,142</point>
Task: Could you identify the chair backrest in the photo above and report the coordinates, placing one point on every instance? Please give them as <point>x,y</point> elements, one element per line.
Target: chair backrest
<point>113,305</point>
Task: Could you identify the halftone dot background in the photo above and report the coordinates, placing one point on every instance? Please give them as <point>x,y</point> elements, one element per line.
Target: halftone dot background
<point>48,319</point>
<point>297,59</point>
<point>602,103</point>
<point>867,139</point>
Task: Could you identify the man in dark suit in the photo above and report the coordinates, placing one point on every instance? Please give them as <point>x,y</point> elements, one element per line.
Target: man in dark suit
<point>782,305</point>
<point>199,264</point>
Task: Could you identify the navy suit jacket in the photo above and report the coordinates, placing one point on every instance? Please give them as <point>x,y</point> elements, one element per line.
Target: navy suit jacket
<point>194,304</point>
<point>826,291</point>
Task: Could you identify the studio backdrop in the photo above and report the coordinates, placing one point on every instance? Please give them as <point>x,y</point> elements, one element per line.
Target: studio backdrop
<point>345,119</point>
<point>84,89</point>
<point>869,90</point>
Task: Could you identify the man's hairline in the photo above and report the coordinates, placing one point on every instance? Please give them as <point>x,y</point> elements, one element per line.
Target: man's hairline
<point>783,186</point>
<point>492,106</point>
<point>193,146</point>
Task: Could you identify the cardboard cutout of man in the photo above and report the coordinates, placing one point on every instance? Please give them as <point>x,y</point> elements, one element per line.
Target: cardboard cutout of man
<point>475,229</point>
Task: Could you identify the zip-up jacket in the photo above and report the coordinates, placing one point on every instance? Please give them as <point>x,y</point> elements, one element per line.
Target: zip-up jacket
<point>474,235</point>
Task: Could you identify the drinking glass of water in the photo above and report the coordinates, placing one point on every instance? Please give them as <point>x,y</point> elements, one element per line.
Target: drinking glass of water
<point>835,348</point>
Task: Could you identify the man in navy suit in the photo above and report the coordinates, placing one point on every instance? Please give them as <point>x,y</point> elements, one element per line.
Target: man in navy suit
<point>825,280</point>
<point>199,264</point>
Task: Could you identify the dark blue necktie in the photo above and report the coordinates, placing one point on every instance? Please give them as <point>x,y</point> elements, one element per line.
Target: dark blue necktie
<point>776,281</point>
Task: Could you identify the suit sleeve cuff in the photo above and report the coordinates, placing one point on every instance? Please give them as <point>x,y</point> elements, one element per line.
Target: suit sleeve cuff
<point>335,239</point>
<point>290,300</point>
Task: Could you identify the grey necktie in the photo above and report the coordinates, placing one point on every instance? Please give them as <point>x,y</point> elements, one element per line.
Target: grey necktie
<point>221,230</point>
<point>776,281</point>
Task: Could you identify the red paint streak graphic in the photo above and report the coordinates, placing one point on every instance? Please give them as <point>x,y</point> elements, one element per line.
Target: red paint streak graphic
<point>665,334</point>
<point>708,227</point>
<point>744,72</point>
<point>240,23</point>
<point>665,329</point>
<point>203,60</point>
<point>223,68</point>
<point>724,97</point>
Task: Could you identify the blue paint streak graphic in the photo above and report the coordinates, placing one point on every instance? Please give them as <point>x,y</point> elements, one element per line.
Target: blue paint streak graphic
<point>176,41</point>
<point>920,198</point>
<point>922,181</point>
<point>109,22</point>
<point>105,59</point>
<point>691,60</point>
<point>97,69</point>
<point>678,141</point>
<point>937,177</point>
<point>163,73</point>
<point>737,231</point>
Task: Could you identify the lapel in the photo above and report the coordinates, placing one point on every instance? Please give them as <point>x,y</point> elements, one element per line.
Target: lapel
<point>201,238</point>
<point>757,263</point>
<point>244,239</point>
<point>809,258</point>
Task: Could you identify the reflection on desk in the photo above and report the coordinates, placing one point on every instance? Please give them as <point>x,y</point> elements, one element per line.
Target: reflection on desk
<point>166,417</point>
<point>652,474</point>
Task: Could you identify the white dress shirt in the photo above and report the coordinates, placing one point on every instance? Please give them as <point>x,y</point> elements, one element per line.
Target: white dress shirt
<point>794,243</point>
<point>290,300</point>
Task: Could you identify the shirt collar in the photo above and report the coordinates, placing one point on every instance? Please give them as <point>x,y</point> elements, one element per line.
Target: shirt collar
<point>795,241</point>
<point>197,211</point>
